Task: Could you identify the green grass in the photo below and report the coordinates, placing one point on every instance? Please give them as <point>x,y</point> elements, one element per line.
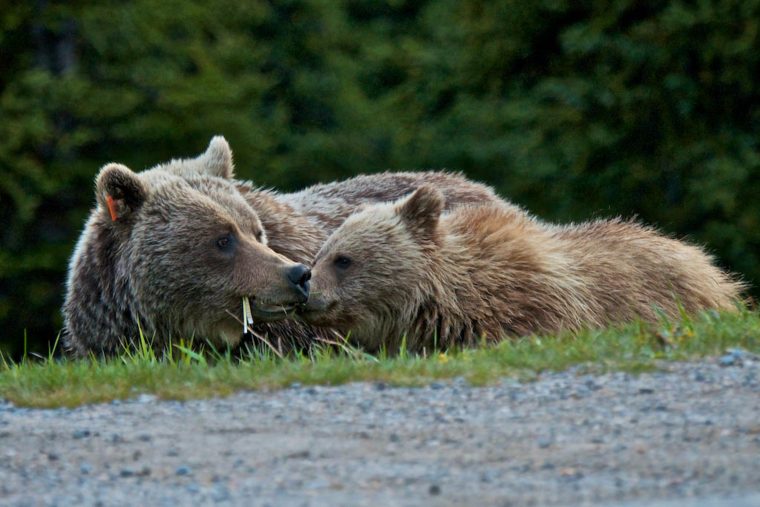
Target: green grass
<point>182,373</point>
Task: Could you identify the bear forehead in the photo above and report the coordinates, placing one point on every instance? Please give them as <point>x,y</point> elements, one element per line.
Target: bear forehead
<point>184,167</point>
<point>379,215</point>
<point>221,191</point>
<point>204,200</point>
<point>159,177</point>
<point>369,231</point>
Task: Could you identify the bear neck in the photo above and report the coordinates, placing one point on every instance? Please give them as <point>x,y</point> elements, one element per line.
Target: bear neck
<point>439,316</point>
<point>491,275</point>
<point>98,310</point>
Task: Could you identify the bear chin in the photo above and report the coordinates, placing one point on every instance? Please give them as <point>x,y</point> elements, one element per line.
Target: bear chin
<point>228,334</point>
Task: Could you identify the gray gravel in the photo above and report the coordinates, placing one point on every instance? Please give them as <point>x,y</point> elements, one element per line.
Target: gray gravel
<point>686,436</point>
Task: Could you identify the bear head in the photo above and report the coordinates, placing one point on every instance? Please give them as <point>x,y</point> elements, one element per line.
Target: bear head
<point>375,267</point>
<point>174,249</point>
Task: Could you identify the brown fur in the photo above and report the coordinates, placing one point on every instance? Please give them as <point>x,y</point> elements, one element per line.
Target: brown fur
<point>492,270</point>
<point>157,266</point>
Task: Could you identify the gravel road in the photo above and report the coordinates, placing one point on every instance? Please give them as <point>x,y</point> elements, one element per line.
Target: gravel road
<point>686,436</point>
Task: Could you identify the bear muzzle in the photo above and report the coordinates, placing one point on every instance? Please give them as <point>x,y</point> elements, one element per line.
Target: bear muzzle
<point>299,276</point>
<point>280,299</point>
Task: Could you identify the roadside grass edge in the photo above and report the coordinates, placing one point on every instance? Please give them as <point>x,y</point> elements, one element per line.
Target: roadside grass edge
<point>182,373</point>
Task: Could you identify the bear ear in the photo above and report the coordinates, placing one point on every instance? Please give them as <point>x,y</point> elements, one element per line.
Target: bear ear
<point>421,210</point>
<point>119,191</point>
<point>217,160</point>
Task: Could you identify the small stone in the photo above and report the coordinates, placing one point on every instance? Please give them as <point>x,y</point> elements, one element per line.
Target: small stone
<point>434,489</point>
<point>85,468</point>
<point>393,437</point>
<point>380,386</point>
<point>79,434</point>
<point>728,360</point>
<point>305,454</point>
<point>592,385</point>
<point>316,484</point>
<point>126,472</point>
<point>53,456</point>
<point>221,493</point>
<point>146,398</point>
<point>646,390</point>
<point>145,437</point>
<point>183,470</point>
<point>570,473</point>
<point>437,385</point>
<point>486,477</point>
<point>544,442</point>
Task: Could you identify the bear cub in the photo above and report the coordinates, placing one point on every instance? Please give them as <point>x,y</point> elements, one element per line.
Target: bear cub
<point>407,269</point>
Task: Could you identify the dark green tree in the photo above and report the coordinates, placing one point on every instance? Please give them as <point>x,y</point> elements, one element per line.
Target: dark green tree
<point>573,109</point>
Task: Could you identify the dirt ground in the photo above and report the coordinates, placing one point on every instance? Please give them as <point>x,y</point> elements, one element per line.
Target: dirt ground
<point>686,436</point>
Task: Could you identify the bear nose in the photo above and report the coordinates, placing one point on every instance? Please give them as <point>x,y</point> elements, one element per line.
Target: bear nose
<point>299,276</point>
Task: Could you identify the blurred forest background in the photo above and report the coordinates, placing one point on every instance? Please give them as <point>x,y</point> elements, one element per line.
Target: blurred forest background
<point>575,109</point>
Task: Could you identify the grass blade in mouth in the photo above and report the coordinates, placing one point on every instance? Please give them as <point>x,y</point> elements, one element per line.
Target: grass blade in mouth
<point>247,315</point>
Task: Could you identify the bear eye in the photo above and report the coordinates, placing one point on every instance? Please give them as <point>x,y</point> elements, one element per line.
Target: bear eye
<point>342,262</point>
<point>225,243</point>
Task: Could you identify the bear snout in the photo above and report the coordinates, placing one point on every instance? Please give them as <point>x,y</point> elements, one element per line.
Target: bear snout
<point>299,276</point>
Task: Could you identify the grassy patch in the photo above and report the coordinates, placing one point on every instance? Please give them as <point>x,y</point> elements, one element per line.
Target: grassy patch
<point>184,374</point>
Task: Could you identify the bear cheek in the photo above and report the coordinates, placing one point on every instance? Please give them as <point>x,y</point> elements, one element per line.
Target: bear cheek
<point>350,299</point>
<point>322,281</point>
<point>244,281</point>
<point>322,301</point>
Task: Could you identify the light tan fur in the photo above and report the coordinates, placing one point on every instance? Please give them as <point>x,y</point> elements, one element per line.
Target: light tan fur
<point>493,271</point>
